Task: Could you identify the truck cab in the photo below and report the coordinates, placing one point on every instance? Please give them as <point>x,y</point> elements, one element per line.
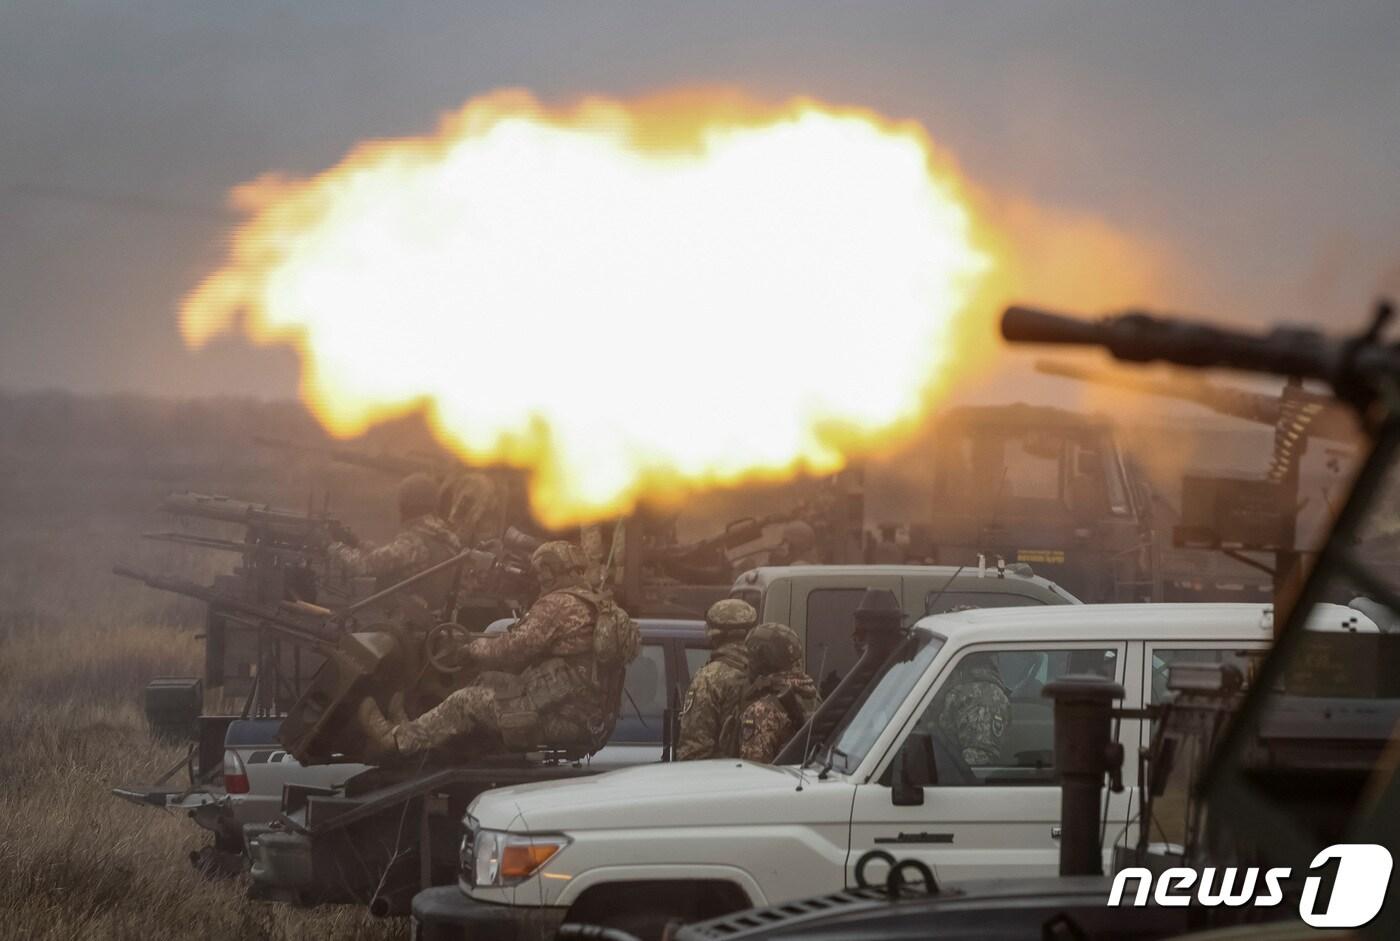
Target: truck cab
<point>637,848</point>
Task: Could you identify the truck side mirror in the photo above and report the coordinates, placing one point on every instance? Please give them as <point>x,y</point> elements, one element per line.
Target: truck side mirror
<point>911,770</point>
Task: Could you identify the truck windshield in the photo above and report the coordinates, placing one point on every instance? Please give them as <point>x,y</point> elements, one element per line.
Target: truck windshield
<point>856,733</point>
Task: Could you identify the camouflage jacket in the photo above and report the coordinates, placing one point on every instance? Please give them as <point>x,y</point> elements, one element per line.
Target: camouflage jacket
<point>776,706</point>
<point>976,710</point>
<point>551,650</point>
<point>715,692</point>
<point>559,624</point>
<point>423,542</point>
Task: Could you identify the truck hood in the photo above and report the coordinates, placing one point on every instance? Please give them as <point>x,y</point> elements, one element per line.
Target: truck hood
<point>662,795</point>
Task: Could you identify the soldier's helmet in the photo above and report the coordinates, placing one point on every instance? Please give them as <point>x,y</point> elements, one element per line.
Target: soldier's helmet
<point>727,618</point>
<point>418,496</point>
<point>558,562</point>
<point>773,648</point>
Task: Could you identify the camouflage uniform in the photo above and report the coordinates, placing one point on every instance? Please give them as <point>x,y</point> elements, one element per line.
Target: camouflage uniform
<point>976,710</point>
<point>717,687</point>
<point>421,543</point>
<point>539,686</point>
<point>779,699</point>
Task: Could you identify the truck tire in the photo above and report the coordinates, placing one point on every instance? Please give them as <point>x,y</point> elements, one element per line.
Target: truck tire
<point>644,909</point>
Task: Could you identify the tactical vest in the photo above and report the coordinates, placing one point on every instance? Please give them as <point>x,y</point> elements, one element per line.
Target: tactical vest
<point>587,686</point>
<point>787,698</point>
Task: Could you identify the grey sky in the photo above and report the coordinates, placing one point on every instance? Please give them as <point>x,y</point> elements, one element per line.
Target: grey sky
<point>1258,141</point>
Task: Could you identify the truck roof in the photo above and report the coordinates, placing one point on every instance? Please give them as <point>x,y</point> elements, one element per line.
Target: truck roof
<point>1177,621</point>
<point>966,575</point>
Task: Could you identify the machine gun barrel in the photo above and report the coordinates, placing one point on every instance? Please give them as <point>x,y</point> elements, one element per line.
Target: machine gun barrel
<point>322,636</point>
<point>1352,366</point>
<point>224,545</point>
<point>276,524</point>
<point>384,463</point>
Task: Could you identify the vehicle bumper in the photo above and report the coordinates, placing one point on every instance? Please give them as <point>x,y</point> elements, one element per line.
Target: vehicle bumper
<point>445,912</point>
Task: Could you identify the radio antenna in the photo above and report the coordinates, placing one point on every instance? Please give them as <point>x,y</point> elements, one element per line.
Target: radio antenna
<point>807,745</point>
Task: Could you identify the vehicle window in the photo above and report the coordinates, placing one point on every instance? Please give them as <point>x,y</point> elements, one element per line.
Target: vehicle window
<point>857,731</point>
<point>935,603</point>
<point>830,618</point>
<point>752,595</point>
<point>644,703</point>
<point>989,722</point>
<point>1162,661</point>
<point>1032,469</point>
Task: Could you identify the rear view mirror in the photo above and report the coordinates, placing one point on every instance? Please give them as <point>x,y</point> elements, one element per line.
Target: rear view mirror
<point>912,769</point>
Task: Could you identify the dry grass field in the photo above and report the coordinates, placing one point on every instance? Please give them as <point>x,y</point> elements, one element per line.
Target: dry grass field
<point>78,481</point>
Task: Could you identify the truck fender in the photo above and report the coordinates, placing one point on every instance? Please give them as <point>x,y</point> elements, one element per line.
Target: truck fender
<point>612,875</point>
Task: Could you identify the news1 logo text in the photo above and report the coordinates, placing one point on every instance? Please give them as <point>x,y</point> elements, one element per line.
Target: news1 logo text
<point>1343,887</point>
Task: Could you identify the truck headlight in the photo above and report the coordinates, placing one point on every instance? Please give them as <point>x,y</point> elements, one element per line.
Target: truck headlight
<point>498,858</point>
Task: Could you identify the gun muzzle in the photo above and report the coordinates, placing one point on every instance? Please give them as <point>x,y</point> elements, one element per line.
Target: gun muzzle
<point>520,543</point>
<point>1032,325</point>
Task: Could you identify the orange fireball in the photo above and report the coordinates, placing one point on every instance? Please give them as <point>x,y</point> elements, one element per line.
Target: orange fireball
<point>629,298</point>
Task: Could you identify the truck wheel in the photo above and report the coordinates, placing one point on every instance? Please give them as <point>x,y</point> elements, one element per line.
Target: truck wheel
<point>644,909</point>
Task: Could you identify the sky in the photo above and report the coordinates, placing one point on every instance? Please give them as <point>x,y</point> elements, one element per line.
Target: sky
<point>1256,143</point>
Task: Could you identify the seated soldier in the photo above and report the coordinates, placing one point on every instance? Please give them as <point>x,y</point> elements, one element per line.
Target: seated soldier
<point>779,699</point>
<point>976,710</point>
<point>423,541</point>
<point>542,683</point>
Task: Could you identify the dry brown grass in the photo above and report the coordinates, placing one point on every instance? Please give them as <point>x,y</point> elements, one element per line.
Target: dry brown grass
<point>76,647</point>
<point>76,861</point>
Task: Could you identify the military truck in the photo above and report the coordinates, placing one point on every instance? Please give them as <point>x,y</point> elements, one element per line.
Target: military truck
<point>1051,488</point>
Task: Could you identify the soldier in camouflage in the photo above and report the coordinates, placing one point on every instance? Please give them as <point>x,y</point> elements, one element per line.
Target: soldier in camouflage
<point>780,697</point>
<point>976,710</point>
<point>423,540</point>
<point>539,685</point>
<point>717,687</point>
<point>474,506</point>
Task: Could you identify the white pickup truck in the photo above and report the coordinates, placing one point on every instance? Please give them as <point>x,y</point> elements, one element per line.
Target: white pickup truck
<point>636,848</point>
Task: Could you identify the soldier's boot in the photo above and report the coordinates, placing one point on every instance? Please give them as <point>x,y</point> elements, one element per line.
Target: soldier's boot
<point>397,714</point>
<point>379,733</point>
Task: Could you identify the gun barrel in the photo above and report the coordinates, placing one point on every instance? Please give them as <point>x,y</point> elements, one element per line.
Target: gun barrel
<point>1032,325</point>
<point>318,636</point>
<point>1143,338</point>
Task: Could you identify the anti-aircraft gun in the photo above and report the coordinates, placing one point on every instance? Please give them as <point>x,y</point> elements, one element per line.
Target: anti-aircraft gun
<point>281,559</point>
<point>381,642</point>
<point>1237,514</point>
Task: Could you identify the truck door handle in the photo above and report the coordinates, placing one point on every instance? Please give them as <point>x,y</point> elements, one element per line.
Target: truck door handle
<point>1055,831</point>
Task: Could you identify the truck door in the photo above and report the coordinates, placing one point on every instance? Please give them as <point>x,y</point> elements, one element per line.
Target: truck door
<point>994,808</point>
<point>823,614</point>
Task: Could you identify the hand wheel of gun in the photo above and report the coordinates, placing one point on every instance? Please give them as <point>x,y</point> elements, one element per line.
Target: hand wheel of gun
<point>443,646</point>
